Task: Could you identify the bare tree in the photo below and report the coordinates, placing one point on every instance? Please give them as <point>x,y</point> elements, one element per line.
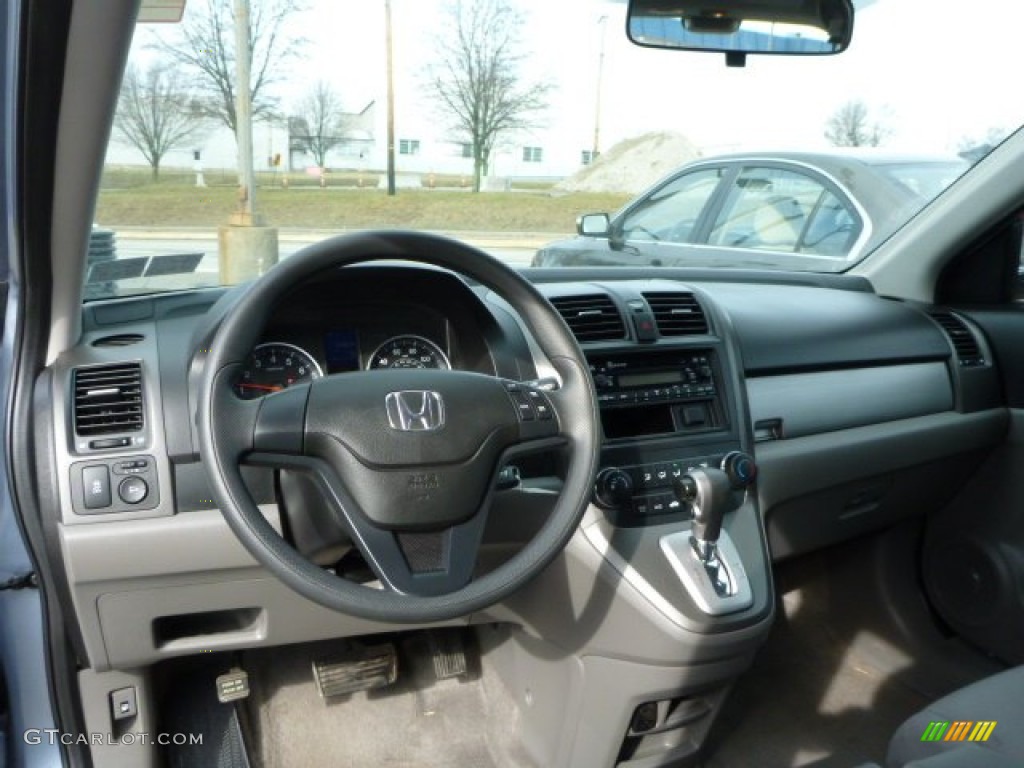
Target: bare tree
<point>318,123</point>
<point>477,81</point>
<point>156,112</point>
<point>207,48</point>
<point>852,126</point>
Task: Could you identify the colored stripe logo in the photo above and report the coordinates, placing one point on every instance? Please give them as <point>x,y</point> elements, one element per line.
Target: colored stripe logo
<point>958,730</point>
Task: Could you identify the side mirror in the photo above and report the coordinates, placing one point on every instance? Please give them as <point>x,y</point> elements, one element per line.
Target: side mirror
<point>739,27</point>
<point>594,225</point>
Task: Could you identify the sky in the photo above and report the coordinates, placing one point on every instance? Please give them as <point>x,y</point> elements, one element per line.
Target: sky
<point>934,72</point>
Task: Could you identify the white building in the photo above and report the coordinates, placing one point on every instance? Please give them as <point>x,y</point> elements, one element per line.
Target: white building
<point>422,147</point>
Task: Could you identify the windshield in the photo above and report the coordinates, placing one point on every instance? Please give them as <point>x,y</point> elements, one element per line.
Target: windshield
<point>797,163</point>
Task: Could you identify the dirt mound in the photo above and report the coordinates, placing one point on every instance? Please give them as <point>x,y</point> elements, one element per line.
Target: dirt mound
<point>633,165</point>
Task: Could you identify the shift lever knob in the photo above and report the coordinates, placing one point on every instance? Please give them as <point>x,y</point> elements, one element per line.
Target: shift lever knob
<point>709,492</point>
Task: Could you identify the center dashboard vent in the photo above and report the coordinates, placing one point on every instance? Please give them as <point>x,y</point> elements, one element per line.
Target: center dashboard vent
<point>968,353</point>
<point>677,314</point>
<point>108,399</point>
<point>593,317</point>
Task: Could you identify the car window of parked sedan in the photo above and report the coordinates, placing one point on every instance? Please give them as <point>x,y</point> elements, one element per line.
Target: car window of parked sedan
<point>832,230</point>
<point>670,214</point>
<point>774,209</point>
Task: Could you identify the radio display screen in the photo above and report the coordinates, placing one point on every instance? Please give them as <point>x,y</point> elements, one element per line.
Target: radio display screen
<point>650,378</point>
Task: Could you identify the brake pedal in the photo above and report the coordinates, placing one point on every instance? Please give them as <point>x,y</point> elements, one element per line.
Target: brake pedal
<point>449,653</point>
<point>358,668</point>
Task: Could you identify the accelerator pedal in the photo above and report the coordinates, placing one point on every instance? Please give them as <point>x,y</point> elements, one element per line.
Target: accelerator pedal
<point>448,651</point>
<point>357,668</point>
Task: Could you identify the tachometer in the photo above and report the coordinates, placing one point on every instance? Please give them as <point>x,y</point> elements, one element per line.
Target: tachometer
<point>273,366</point>
<point>408,352</point>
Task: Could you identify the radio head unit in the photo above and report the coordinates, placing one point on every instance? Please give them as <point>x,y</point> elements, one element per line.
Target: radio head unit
<point>656,392</point>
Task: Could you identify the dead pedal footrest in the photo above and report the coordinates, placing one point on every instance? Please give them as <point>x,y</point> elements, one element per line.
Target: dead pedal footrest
<point>357,668</point>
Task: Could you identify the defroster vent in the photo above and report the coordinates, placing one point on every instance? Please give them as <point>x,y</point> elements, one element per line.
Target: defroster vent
<point>968,353</point>
<point>677,314</point>
<point>108,399</point>
<point>593,317</point>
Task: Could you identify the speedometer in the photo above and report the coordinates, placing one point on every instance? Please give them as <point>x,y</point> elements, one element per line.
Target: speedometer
<point>407,352</point>
<point>274,366</point>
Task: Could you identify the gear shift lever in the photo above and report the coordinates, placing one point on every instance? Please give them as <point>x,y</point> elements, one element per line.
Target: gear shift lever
<point>715,577</point>
<point>709,492</point>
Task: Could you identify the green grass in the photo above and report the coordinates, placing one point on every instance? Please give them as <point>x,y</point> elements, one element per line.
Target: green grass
<point>130,199</point>
<point>134,177</point>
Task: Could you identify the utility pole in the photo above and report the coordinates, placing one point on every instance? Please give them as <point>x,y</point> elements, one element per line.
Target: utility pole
<point>246,248</point>
<point>390,98</point>
<point>243,117</point>
<point>596,149</point>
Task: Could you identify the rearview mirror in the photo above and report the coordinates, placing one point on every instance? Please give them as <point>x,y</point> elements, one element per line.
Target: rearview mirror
<point>736,28</point>
<point>593,225</point>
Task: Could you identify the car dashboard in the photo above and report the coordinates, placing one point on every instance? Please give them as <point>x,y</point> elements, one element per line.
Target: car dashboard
<point>858,410</point>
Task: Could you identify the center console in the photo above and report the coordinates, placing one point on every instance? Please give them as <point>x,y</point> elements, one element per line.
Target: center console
<point>664,412</point>
<point>668,582</point>
<point>675,482</point>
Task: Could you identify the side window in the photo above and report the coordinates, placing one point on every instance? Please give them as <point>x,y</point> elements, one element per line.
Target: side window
<point>772,209</point>
<point>832,229</point>
<point>671,212</point>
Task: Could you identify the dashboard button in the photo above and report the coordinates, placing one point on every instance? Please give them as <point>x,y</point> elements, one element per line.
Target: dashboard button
<point>133,490</point>
<point>541,405</point>
<point>523,406</point>
<point>96,487</point>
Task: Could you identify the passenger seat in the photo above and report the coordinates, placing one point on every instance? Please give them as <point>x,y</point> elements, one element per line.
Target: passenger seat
<point>998,699</point>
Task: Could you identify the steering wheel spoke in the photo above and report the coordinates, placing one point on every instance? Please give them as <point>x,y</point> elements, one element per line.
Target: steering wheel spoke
<point>426,562</point>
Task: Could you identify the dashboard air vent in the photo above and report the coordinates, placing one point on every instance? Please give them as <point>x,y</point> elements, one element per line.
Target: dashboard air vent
<point>677,314</point>
<point>108,399</point>
<point>593,317</point>
<point>119,340</point>
<point>967,350</point>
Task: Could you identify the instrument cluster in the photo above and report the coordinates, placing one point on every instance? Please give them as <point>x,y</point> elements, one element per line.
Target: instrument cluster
<point>276,365</point>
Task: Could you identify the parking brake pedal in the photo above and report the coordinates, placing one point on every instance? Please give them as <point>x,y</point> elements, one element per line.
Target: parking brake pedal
<point>357,668</point>
<point>448,652</point>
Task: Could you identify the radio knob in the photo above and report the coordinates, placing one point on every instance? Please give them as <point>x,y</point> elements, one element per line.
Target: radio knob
<point>602,381</point>
<point>740,468</point>
<point>613,488</point>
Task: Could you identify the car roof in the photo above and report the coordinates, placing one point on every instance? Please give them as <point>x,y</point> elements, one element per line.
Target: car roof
<point>841,156</point>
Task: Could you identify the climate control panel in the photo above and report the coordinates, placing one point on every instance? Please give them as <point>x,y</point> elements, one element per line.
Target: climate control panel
<point>647,489</point>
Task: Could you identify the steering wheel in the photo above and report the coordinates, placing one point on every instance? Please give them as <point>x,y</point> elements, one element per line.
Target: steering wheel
<point>406,460</point>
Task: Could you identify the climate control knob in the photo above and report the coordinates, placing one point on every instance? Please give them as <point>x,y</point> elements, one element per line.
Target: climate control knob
<point>740,468</point>
<point>613,488</point>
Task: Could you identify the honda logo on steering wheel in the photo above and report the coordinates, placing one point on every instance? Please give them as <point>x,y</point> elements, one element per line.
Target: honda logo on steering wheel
<point>415,410</point>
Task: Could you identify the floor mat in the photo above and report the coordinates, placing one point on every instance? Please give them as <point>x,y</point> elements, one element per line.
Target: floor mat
<point>417,723</point>
<point>842,668</point>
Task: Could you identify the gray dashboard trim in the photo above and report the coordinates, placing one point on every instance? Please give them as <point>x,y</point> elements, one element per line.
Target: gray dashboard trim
<point>825,401</point>
<point>788,469</point>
